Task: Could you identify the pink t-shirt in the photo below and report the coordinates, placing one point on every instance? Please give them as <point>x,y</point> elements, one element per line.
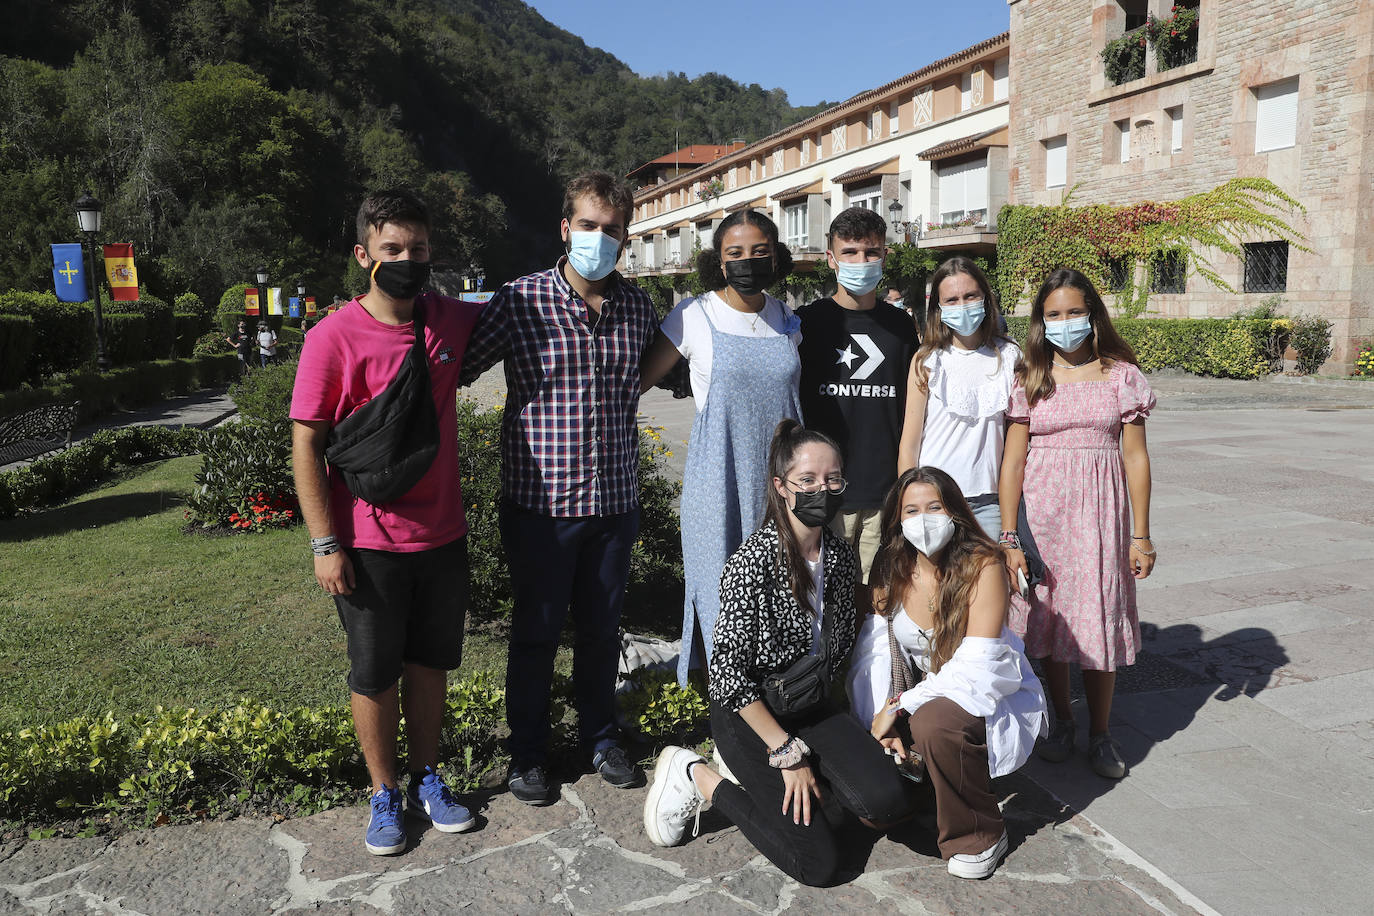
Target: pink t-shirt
<point>350,358</point>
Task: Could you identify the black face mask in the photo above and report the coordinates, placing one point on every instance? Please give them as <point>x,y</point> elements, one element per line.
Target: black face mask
<point>750,276</point>
<point>816,509</point>
<point>400,279</point>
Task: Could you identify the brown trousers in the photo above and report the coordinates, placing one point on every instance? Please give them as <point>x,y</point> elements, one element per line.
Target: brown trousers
<point>954,747</point>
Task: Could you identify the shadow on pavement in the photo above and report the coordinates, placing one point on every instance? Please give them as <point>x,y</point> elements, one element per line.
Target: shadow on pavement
<point>1176,673</point>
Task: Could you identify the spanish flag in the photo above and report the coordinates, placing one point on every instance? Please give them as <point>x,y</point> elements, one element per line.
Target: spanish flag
<point>250,300</point>
<point>310,306</point>
<point>120,272</point>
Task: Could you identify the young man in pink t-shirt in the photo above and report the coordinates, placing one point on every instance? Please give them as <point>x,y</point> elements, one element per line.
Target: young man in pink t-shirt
<point>398,572</point>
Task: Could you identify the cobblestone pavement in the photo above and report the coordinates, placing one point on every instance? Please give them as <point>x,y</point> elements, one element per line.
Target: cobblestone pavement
<point>585,854</point>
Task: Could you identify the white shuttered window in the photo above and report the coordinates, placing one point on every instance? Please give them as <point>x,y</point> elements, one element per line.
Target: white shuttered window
<point>1276,116</point>
<point>1176,129</point>
<point>964,190</point>
<point>1056,162</point>
<point>1124,129</point>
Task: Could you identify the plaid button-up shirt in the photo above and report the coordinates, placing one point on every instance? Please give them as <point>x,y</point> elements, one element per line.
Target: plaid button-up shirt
<point>569,443</point>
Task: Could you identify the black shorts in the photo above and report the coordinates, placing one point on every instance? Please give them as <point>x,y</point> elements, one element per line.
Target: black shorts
<point>406,608</point>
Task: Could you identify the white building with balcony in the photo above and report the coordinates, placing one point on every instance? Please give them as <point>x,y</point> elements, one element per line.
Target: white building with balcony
<point>928,151</point>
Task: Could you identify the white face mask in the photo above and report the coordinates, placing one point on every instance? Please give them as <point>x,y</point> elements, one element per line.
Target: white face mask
<point>928,532</point>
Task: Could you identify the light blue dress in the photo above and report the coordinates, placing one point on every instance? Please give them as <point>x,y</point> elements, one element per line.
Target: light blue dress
<point>753,387</point>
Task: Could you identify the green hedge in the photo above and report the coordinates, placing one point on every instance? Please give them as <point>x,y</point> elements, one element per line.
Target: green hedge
<point>17,338</point>
<point>127,338</point>
<point>187,326</point>
<point>64,332</point>
<point>161,332</point>
<point>126,386</point>
<point>88,462</point>
<point>1221,347</point>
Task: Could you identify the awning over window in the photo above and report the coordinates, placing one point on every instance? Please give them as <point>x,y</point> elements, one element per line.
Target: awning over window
<point>800,190</point>
<point>855,176</point>
<point>995,137</point>
<point>751,205</point>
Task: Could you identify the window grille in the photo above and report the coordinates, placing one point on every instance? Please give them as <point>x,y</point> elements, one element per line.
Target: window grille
<point>1169,273</point>
<point>1266,267</point>
<point>1118,275</point>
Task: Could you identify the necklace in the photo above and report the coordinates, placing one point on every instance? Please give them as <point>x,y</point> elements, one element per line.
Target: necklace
<point>1072,365</point>
<point>754,325</point>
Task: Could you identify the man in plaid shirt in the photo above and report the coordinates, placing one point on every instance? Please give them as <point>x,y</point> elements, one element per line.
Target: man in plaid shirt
<point>571,338</point>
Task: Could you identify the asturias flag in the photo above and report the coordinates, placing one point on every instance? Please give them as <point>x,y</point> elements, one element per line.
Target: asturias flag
<point>293,306</point>
<point>250,300</point>
<point>69,273</point>
<point>120,271</point>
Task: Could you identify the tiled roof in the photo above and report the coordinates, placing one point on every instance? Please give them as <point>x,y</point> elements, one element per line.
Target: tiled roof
<point>689,157</point>
<point>995,137</point>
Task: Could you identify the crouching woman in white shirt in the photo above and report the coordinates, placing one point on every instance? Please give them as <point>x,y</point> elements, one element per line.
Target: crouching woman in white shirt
<point>941,595</point>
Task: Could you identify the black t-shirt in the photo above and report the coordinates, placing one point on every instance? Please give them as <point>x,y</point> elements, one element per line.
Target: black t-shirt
<point>853,388</point>
<point>243,342</point>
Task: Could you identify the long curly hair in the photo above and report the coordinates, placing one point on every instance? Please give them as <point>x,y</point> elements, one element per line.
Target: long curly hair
<point>957,566</point>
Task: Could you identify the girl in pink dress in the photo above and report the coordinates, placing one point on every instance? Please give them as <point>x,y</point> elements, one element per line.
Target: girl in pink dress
<point>1075,448</point>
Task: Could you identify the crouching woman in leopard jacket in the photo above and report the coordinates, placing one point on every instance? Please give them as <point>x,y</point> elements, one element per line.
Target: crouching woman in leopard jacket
<point>786,593</point>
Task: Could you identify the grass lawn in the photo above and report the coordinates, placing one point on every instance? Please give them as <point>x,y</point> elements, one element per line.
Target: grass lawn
<point>106,605</point>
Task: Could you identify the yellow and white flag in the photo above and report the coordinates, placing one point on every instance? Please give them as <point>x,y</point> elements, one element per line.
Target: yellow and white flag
<point>274,301</point>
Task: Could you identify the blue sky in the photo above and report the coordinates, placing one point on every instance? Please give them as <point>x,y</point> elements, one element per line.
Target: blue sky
<point>815,50</point>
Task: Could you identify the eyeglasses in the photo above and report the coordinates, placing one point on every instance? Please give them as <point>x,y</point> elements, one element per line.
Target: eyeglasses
<point>833,484</point>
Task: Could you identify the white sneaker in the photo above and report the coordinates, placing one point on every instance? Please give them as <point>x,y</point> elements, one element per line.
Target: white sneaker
<point>673,797</point>
<point>980,865</point>
<point>718,764</point>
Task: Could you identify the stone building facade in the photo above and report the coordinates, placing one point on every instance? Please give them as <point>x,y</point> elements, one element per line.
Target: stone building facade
<point>1279,90</point>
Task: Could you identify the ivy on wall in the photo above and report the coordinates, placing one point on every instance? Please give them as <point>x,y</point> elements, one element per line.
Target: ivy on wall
<point>1033,241</point>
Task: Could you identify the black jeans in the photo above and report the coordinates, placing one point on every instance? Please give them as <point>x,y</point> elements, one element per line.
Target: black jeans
<point>557,566</point>
<point>850,764</point>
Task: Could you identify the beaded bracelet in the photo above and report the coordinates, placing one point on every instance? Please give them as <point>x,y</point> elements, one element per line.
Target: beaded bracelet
<point>323,547</point>
<point>1010,539</point>
<point>788,754</point>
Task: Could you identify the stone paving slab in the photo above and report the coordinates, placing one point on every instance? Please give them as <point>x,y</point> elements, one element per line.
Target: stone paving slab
<point>585,854</point>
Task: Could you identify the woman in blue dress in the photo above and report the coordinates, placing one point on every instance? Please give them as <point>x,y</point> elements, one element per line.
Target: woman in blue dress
<point>741,349</point>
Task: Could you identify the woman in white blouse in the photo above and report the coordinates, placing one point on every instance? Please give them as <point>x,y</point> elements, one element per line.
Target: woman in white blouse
<point>958,389</point>
<point>940,594</point>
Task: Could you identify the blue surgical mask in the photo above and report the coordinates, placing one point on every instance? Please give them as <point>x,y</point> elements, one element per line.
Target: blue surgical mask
<point>592,254</point>
<point>1067,335</point>
<point>963,319</point>
<point>861,278</point>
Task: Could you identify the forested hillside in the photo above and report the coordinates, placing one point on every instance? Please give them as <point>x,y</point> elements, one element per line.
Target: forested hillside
<point>223,134</point>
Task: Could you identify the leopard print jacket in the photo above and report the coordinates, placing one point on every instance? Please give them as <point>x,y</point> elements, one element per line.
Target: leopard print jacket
<point>762,628</point>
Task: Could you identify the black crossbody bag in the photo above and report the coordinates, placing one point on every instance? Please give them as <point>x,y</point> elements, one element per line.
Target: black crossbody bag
<point>802,685</point>
<point>386,446</point>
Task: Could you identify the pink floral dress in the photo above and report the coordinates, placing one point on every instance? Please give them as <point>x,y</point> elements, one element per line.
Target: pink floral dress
<point>1079,513</point>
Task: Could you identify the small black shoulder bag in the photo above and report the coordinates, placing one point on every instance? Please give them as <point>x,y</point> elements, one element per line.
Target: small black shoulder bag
<point>384,447</point>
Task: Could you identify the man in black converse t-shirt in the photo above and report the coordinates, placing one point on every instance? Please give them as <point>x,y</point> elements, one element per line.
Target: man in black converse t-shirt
<point>855,353</point>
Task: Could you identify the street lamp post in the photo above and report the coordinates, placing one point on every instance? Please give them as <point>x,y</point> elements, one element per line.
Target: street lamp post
<point>894,211</point>
<point>262,294</point>
<point>300,300</point>
<point>88,220</point>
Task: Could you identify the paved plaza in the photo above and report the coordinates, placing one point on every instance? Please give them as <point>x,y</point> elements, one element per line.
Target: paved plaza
<point>1248,723</point>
